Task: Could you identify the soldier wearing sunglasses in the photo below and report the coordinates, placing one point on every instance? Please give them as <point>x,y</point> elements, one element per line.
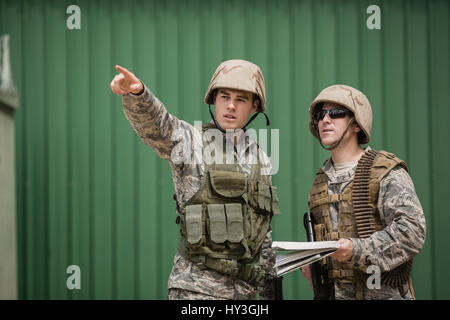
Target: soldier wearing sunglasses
<point>365,200</point>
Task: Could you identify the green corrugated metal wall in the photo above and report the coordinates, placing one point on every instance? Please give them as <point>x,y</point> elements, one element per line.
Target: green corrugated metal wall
<point>90,193</point>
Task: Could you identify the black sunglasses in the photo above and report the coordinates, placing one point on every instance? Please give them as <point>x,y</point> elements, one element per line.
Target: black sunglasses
<point>333,113</point>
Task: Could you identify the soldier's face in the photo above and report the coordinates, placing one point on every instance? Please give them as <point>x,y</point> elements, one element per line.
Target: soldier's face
<point>331,130</point>
<point>233,107</point>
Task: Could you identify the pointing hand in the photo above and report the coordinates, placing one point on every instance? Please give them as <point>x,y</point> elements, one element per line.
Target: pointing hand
<point>126,82</point>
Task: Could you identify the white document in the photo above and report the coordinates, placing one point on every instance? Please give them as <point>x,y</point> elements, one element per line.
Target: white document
<point>300,254</point>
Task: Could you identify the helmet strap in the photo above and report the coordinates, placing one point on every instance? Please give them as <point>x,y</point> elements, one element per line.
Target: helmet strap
<point>248,122</point>
<point>253,118</point>
<point>215,121</point>
<point>334,145</point>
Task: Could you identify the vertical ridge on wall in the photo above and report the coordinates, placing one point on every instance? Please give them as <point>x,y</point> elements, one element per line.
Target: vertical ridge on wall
<point>348,45</point>
<point>233,29</point>
<point>35,199</point>
<point>135,165</point>
<point>125,141</point>
<point>418,119</point>
<point>440,111</point>
<point>80,140</point>
<point>406,74</point>
<point>255,50</point>
<point>383,107</point>
<point>360,21</point>
<point>156,90</point>
<point>148,208</point>
<point>166,55</point>
<point>46,63</point>
<point>371,78</point>
<point>303,91</point>
<point>69,144</point>
<point>57,136</point>
<point>102,166</point>
<point>293,223</point>
<point>430,226</point>
<point>280,68</point>
<point>114,105</point>
<point>91,152</point>
<point>395,86</point>
<point>326,62</point>
<point>295,218</point>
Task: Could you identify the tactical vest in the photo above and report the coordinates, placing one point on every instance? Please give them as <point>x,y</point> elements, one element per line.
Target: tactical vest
<point>358,217</point>
<point>223,226</point>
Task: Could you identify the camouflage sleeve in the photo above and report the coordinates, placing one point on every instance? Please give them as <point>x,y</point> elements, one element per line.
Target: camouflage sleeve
<point>155,125</point>
<point>266,165</point>
<point>404,234</point>
<point>266,287</point>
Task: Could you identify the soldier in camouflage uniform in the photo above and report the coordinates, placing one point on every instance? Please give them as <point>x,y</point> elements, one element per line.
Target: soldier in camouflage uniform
<point>380,227</point>
<point>221,255</point>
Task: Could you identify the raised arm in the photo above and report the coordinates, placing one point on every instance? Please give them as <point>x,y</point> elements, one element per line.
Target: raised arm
<point>148,116</point>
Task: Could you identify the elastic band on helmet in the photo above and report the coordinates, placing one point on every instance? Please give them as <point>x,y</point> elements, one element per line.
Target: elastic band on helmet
<point>334,145</point>
<point>244,128</point>
<point>215,121</point>
<point>254,116</point>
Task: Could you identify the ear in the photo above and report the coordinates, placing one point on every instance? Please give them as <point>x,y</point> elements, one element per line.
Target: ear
<point>214,96</point>
<point>356,129</point>
<point>255,105</point>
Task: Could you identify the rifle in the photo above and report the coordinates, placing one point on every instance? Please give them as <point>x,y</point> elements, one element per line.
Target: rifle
<point>278,288</point>
<point>321,290</point>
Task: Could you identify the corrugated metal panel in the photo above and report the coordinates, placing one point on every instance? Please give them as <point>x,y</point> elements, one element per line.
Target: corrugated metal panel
<point>90,193</point>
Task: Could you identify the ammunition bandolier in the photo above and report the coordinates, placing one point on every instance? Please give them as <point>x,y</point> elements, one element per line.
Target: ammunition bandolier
<point>224,224</point>
<point>358,217</point>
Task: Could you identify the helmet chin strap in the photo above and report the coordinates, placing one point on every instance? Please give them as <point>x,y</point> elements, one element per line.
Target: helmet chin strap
<point>254,116</point>
<point>243,128</point>
<point>334,145</point>
<point>215,121</point>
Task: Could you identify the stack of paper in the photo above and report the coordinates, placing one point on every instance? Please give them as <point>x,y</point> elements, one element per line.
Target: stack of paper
<point>301,254</point>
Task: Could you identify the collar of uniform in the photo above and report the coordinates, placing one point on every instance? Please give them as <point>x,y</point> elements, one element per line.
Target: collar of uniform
<point>244,142</point>
<point>329,170</point>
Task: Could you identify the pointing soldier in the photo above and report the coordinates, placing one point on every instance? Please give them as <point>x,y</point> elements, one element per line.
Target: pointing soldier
<point>364,199</point>
<point>224,206</point>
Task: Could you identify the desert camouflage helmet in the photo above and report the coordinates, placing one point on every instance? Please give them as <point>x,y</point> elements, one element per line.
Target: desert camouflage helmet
<point>238,75</point>
<point>348,97</point>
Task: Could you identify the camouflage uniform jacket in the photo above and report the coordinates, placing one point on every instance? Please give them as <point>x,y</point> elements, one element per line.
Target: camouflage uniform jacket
<point>401,239</point>
<point>170,138</point>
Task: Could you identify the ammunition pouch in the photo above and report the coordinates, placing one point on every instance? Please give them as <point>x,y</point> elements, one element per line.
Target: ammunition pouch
<point>224,224</point>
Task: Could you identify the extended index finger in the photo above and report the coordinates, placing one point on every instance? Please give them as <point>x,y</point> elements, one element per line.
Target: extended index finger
<point>124,71</point>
